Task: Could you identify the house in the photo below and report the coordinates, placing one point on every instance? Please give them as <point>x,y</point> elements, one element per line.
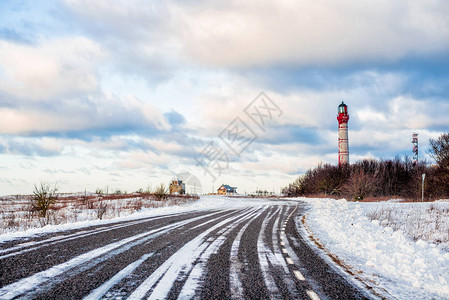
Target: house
<point>177,186</point>
<point>225,189</point>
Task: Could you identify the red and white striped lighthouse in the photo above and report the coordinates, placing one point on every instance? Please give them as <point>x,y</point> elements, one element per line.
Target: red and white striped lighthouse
<point>343,145</point>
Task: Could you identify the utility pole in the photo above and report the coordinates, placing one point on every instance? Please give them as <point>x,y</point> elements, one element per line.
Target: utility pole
<point>422,196</point>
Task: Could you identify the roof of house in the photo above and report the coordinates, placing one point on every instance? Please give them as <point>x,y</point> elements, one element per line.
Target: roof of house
<point>229,188</point>
<point>176,181</point>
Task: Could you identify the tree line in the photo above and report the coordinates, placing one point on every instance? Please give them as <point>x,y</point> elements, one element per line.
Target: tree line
<point>379,178</point>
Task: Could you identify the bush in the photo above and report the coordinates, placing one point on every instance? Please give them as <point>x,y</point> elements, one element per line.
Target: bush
<point>295,188</point>
<point>161,192</point>
<point>101,209</point>
<point>378,178</point>
<point>85,197</point>
<point>44,197</point>
<point>137,205</point>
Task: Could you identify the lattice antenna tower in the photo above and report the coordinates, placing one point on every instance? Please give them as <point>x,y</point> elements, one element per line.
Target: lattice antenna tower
<point>415,148</point>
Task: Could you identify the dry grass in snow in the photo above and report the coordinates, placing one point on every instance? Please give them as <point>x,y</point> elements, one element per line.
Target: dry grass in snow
<point>419,221</point>
<point>17,214</point>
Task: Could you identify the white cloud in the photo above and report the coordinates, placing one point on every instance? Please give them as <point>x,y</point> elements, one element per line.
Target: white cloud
<point>403,113</point>
<point>259,33</point>
<point>43,146</point>
<point>370,116</point>
<point>50,69</point>
<point>100,111</point>
<point>236,33</point>
<point>140,35</point>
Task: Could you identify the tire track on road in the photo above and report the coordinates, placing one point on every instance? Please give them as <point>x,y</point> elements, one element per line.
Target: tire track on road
<point>52,274</point>
<point>18,266</point>
<point>161,247</point>
<point>235,269</point>
<point>196,277</point>
<point>34,245</point>
<point>264,251</point>
<point>180,264</point>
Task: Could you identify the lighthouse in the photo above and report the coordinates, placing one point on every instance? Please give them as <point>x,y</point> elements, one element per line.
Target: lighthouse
<point>343,146</point>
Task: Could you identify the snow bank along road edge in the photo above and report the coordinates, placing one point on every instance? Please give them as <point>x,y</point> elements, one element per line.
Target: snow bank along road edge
<point>253,252</point>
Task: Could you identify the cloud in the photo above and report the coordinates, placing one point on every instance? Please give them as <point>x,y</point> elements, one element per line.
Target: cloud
<point>96,113</point>
<point>51,69</point>
<point>175,118</point>
<point>253,33</point>
<point>403,112</point>
<point>134,20</point>
<point>304,33</point>
<point>140,35</point>
<point>31,147</point>
<point>287,134</point>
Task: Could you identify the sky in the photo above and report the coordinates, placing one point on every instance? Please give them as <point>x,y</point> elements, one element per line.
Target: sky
<point>130,94</point>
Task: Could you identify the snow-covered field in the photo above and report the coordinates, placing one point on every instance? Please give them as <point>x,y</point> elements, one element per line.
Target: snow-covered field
<point>16,211</point>
<point>389,253</point>
<point>420,221</point>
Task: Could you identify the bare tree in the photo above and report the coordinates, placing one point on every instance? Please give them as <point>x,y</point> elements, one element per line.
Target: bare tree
<point>359,185</point>
<point>439,150</point>
<point>295,188</point>
<point>391,177</point>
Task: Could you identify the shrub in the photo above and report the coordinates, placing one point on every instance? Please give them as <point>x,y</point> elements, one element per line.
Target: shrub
<point>379,178</point>
<point>85,197</point>
<point>161,192</point>
<point>138,204</point>
<point>101,209</point>
<point>44,197</point>
<point>148,190</point>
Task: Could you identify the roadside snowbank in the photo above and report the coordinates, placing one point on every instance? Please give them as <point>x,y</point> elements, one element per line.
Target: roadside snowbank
<point>419,221</point>
<point>387,258</point>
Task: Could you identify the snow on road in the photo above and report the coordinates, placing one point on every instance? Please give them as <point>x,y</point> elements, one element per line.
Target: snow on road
<point>105,252</point>
<point>391,260</point>
<point>163,278</point>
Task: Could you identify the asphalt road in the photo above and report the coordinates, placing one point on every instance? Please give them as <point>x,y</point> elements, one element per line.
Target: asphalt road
<point>247,253</point>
